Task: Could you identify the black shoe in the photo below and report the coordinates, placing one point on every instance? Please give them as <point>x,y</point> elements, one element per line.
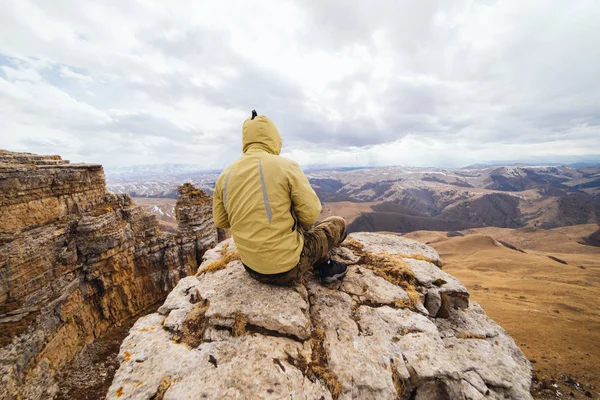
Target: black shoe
<point>332,271</point>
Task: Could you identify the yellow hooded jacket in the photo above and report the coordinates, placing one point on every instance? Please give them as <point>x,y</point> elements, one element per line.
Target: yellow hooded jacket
<point>258,196</point>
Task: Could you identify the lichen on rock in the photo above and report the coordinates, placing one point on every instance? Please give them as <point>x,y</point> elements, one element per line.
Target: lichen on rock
<point>372,336</point>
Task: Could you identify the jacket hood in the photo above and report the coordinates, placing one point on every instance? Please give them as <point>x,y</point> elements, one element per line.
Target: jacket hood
<point>261,133</point>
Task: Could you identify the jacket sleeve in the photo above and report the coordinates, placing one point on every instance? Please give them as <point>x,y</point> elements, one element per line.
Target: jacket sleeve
<point>220,216</point>
<point>306,204</point>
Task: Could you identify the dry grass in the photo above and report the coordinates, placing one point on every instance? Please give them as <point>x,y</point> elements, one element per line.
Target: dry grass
<point>420,257</point>
<point>219,264</point>
<point>195,324</point>
<point>399,384</point>
<point>390,267</point>
<point>163,386</point>
<point>406,331</point>
<point>412,293</point>
<point>439,282</point>
<point>224,248</point>
<point>318,366</point>
<point>465,335</point>
<point>353,245</point>
<point>402,303</point>
<point>239,325</point>
<point>358,249</point>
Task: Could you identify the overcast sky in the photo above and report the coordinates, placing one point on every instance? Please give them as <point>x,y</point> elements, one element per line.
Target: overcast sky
<point>426,83</point>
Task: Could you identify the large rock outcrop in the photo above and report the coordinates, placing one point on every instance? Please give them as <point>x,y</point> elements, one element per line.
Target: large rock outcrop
<point>397,327</point>
<point>76,261</point>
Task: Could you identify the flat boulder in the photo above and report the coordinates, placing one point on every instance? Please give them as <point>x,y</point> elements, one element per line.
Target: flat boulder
<point>397,327</point>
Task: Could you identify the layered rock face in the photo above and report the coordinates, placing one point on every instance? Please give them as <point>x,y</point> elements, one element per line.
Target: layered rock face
<point>397,327</point>
<point>75,261</point>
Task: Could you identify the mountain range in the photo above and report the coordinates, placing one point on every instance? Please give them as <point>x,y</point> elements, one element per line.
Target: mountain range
<point>405,199</point>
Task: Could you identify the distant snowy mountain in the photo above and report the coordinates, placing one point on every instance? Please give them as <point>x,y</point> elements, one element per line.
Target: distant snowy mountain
<point>411,198</point>
<point>155,170</point>
<point>158,180</point>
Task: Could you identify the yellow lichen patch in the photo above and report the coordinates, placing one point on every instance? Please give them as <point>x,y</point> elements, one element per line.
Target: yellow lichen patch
<point>119,391</point>
<point>466,335</point>
<point>140,383</point>
<point>239,325</point>
<point>127,356</point>
<point>221,263</point>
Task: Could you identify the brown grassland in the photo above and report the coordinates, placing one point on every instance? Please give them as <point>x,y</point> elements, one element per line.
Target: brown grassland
<point>551,309</point>
<point>346,209</point>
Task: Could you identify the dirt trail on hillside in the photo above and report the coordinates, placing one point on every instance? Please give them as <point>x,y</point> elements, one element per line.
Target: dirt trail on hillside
<point>550,308</point>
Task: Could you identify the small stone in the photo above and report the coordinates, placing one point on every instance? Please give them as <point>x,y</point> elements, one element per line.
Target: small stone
<point>433,301</point>
<point>345,255</point>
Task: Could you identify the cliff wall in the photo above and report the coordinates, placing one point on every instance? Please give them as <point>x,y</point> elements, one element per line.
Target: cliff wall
<point>76,261</point>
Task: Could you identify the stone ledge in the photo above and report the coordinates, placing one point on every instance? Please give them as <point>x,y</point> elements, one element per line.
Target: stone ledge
<point>366,337</point>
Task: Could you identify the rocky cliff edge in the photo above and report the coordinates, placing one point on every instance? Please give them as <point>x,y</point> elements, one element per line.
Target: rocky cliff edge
<point>397,327</point>
<point>76,261</point>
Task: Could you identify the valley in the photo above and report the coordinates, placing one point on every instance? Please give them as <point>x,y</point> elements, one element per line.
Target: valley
<point>406,199</point>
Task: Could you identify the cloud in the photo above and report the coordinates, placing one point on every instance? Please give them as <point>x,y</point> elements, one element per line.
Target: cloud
<point>347,82</point>
<point>68,73</point>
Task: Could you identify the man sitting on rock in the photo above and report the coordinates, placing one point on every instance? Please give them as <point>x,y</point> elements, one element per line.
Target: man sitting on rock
<point>269,206</point>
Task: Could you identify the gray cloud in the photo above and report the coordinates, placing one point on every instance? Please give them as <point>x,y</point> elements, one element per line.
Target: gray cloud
<point>149,125</point>
<point>346,80</point>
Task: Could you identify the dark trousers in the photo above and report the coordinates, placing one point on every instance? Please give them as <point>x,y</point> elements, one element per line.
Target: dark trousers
<point>318,240</point>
